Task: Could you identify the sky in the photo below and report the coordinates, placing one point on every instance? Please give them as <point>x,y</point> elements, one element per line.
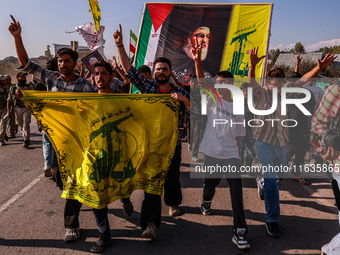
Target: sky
<point>312,22</point>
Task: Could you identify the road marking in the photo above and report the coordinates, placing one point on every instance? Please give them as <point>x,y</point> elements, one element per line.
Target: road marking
<point>20,193</point>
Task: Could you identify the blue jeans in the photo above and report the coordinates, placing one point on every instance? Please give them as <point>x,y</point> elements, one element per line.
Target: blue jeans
<point>270,155</point>
<point>103,225</point>
<point>47,149</point>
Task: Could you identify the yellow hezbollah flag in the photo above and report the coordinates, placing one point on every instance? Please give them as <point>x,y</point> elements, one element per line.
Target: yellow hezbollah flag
<point>95,10</point>
<point>248,28</point>
<point>108,145</point>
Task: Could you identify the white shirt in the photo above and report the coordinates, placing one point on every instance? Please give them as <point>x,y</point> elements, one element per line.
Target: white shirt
<point>219,140</point>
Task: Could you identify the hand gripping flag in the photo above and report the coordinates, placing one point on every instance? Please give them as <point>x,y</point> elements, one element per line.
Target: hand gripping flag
<point>108,145</point>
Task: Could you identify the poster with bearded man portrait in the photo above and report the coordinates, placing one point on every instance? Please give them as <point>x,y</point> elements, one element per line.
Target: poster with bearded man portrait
<point>185,26</point>
<point>226,32</point>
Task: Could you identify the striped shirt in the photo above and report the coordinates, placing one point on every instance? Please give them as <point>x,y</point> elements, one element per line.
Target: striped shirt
<point>54,80</point>
<point>268,128</point>
<point>327,116</point>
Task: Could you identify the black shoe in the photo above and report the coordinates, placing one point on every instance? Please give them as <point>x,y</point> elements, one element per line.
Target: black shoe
<point>205,207</point>
<point>26,144</point>
<point>2,143</point>
<point>273,229</point>
<point>6,138</point>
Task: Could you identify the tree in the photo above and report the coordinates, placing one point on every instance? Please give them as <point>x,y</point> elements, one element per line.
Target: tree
<point>48,53</point>
<point>333,49</point>
<point>273,55</point>
<point>299,48</point>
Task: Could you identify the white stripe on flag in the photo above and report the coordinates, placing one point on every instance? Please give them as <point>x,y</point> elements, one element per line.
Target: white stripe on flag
<point>152,46</point>
<point>132,42</point>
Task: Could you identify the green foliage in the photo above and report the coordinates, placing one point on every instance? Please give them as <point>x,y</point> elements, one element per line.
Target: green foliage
<point>333,49</point>
<point>299,48</point>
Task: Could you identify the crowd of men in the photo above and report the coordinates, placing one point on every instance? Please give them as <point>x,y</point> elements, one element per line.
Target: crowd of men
<point>272,144</point>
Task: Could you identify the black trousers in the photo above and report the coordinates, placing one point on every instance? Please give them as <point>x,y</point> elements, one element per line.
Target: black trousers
<point>196,135</point>
<point>298,147</point>
<point>235,186</point>
<point>151,210</point>
<point>152,205</point>
<point>71,213</point>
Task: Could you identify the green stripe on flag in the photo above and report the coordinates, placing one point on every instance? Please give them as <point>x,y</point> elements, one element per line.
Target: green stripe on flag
<point>144,38</point>
<point>134,37</point>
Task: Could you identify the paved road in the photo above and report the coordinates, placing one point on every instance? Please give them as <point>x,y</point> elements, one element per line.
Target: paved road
<point>31,215</point>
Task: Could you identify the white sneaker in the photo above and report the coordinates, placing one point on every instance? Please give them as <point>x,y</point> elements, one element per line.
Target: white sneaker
<point>72,234</point>
<point>260,184</point>
<point>240,241</point>
<point>194,159</point>
<point>150,231</point>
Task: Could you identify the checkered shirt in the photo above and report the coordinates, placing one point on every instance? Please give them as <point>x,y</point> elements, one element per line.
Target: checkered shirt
<point>54,81</point>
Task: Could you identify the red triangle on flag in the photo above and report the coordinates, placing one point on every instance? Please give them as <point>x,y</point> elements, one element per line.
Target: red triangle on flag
<point>158,13</point>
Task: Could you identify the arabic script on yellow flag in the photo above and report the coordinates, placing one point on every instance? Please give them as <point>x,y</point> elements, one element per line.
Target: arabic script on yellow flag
<point>108,145</point>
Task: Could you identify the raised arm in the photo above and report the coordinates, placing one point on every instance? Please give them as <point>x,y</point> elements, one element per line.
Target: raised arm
<point>298,61</point>
<point>254,60</point>
<point>15,29</point>
<point>123,57</point>
<point>322,64</point>
<point>120,71</point>
<point>196,51</point>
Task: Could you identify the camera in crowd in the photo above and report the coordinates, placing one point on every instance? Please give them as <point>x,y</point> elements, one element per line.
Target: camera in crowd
<point>330,139</point>
<point>327,139</point>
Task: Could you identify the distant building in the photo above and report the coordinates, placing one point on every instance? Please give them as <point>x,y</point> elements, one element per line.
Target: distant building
<point>83,51</point>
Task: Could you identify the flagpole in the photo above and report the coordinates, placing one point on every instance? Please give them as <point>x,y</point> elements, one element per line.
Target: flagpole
<point>129,45</point>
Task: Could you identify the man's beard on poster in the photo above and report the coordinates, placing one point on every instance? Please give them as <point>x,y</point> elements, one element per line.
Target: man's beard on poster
<point>187,50</point>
